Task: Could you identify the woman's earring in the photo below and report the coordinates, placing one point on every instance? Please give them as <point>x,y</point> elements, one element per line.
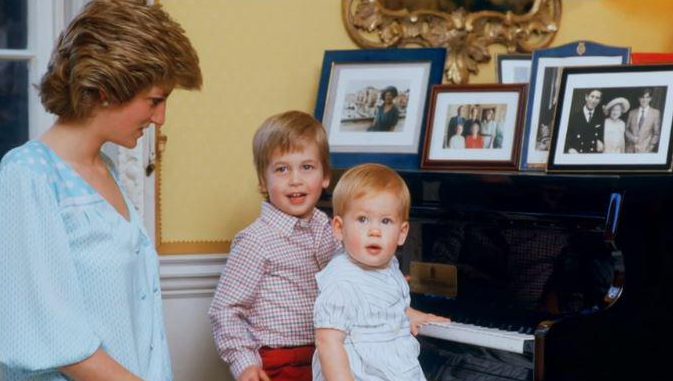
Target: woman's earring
<point>105,103</point>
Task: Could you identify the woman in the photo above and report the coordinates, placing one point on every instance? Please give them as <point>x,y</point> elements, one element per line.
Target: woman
<point>614,126</point>
<point>474,140</point>
<point>457,141</point>
<point>387,114</point>
<point>81,298</point>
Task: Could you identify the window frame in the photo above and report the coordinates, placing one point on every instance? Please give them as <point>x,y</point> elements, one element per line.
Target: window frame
<point>45,21</point>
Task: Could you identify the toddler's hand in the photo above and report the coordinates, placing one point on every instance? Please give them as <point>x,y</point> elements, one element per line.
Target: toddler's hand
<point>418,319</point>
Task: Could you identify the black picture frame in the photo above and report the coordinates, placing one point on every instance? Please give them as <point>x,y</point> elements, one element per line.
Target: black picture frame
<point>514,68</point>
<point>583,143</point>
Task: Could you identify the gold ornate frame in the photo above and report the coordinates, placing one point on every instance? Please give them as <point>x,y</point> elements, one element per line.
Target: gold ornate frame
<point>465,35</point>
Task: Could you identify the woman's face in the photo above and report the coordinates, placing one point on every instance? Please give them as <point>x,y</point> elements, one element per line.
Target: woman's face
<point>616,111</point>
<point>474,129</point>
<point>124,124</point>
<point>388,97</point>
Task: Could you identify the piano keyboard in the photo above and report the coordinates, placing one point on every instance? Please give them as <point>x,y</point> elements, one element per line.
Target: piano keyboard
<point>480,336</point>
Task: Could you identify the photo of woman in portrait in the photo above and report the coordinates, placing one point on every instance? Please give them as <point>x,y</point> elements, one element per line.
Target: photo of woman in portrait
<point>457,141</point>
<point>474,140</point>
<point>387,114</point>
<point>614,126</point>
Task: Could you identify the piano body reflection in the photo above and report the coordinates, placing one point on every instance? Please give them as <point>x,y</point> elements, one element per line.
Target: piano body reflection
<point>546,277</point>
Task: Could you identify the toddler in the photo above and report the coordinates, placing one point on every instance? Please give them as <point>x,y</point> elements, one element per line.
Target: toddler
<point>364,325</point>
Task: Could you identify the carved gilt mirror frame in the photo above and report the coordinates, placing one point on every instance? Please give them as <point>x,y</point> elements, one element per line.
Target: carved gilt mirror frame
<point>466,35</point>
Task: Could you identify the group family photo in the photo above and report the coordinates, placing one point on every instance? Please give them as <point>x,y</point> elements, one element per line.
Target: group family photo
<point>474,126</point>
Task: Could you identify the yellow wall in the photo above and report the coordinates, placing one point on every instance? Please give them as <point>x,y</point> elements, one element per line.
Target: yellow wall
<point>261,57</point>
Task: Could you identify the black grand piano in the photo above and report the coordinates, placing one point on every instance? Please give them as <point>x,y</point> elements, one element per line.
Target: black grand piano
<point>545,276</point>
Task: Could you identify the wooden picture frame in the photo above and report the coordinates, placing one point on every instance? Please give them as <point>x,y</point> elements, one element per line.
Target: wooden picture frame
<point>491,143</point>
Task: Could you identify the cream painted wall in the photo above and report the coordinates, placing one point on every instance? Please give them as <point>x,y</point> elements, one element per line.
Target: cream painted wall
<point>261,57</point>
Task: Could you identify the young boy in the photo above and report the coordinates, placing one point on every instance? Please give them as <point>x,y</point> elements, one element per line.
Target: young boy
<point>364,325</point>
<point>262,312</point>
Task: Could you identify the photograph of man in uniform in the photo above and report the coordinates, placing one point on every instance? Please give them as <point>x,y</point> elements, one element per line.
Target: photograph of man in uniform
<point>585,126</point>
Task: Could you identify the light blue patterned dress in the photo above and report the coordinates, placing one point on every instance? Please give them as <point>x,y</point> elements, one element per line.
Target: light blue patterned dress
<point>76,276</point>
<point>370,307</point>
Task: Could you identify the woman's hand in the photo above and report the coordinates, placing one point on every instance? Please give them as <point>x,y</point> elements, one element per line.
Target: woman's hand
<point>100,367</point>
<point>417,319</point>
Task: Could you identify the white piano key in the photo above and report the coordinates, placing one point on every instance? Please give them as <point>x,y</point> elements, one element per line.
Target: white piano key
<point>476,335</point>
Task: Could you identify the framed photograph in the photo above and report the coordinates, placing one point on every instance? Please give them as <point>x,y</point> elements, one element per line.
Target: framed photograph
<point>514,68</point>
<point>543,90</point>
<point>373,102</point>
<point>474,127</point>
<point>614,119</point>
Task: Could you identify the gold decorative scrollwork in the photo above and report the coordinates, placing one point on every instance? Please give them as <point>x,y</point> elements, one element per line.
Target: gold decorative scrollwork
<point>465,35</point>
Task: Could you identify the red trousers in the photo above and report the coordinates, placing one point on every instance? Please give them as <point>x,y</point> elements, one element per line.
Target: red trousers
<point>288,364</point>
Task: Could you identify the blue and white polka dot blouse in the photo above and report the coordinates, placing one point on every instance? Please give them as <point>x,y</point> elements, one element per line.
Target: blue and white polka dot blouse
<point>76,275</point>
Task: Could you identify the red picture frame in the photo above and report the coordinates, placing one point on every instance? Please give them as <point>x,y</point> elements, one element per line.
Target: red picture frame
<point>641,58</point>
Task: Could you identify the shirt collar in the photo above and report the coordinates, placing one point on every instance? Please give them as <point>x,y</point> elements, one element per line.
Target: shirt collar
<point>284,222</point>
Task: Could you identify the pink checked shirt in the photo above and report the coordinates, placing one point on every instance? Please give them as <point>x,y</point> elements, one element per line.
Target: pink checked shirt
<point>267,290</point>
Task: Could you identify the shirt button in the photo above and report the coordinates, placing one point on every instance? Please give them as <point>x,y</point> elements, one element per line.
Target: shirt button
<point>156,289</point>
<point>137,251</point>
<point>143,296</point>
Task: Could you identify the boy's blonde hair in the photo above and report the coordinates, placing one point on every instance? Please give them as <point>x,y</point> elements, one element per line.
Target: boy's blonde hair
<point>287,132</point>
<point>367,180</point>
<point>116,48</point>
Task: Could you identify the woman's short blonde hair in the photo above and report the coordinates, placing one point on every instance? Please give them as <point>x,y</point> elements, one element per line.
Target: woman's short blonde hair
<point>289,131</point>
<point>367,180</point>
<point>116,49</point>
